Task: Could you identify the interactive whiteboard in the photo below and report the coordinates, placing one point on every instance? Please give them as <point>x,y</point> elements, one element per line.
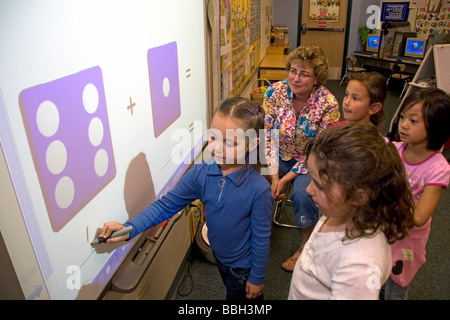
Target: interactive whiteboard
<point>95,98</point>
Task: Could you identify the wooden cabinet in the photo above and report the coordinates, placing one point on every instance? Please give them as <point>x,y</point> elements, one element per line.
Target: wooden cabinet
<point>273,74</point>
<point>273,67</point>
<point>283,50</point>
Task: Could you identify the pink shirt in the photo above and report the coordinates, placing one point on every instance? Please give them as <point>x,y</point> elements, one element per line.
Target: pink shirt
<point>434,170</point>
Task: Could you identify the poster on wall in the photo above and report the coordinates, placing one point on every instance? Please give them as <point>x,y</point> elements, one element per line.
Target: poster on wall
<point>324,10</point>
<point>433,23</point>
<point>434,6</point>
<point>395,11</point>
<point>239,44</point>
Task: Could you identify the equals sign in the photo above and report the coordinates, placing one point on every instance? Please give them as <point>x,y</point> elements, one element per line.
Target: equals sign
<point>188,73</point>
<point>191,127</point>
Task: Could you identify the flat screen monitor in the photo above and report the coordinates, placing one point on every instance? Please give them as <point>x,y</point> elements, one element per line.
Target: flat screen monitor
<point>415,47</point>
<point>373,42</point>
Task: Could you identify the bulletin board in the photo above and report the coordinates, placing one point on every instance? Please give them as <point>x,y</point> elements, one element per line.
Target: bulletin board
<point>239,44</point>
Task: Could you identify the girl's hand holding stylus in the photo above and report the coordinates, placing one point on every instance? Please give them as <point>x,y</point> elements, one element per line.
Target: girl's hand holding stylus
<point>109,228</point>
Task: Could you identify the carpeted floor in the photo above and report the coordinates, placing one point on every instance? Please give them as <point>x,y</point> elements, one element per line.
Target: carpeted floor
<point>431,283</point>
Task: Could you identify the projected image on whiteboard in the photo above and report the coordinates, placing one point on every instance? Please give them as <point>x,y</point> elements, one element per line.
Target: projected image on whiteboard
<point>90,115</point>
<point>164,86</point>
<point>68,132</point>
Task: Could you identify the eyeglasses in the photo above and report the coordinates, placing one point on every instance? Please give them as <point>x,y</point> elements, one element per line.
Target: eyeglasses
<point>302,75</point>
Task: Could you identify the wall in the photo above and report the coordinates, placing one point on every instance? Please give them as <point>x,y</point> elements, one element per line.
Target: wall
<point>285,12</point>
<point>213,57</point>
<point>266,18</point>
<point>358,17</point>
<point>267,9</point>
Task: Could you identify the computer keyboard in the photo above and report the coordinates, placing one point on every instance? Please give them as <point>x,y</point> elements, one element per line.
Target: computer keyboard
<point>406,59</point>
<point>366,53</point>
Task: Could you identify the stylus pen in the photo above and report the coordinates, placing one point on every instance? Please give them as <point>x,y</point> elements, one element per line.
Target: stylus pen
<point>115,234</point>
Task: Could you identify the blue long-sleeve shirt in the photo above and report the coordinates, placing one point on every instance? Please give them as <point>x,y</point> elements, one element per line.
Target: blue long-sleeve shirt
<point>238,214</point>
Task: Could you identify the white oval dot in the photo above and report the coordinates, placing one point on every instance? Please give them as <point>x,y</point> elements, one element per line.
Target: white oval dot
<point>64,192</point>
<point>47,118</point>
<point>96,131</point>
<point>90,98</point>
<point>166,87</point>
<point>56,157</point>
<point>101,162</point>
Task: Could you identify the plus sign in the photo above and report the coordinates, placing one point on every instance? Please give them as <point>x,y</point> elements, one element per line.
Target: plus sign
<point>131,106</point>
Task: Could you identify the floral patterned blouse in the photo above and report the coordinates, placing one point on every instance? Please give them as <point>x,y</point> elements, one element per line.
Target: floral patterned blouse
<point>289,135</point>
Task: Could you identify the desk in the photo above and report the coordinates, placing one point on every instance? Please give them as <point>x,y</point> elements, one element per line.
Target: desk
<point>273,67</point>
<point>367,59</point>
<point>279,49</point>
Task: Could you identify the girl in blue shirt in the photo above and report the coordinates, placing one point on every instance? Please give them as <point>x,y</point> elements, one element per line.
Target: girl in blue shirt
<point>237,199</point>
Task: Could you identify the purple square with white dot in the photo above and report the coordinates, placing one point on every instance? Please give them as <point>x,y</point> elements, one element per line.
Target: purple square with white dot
<point>164,86</point>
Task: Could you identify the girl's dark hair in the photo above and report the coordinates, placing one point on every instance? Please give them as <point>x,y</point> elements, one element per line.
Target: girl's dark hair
<point>375,83</point>
<point>251,115</point>
<point>371,175</point>
<point>435,113</point>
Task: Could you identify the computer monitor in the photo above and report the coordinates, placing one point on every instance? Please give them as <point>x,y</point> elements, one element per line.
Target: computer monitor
<point>415,47</point>
<point>373,42</point>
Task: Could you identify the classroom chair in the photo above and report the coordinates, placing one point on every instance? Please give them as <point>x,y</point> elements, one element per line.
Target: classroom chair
<point>351,67</point>
<point>397,73</point>
<point>280,205</point>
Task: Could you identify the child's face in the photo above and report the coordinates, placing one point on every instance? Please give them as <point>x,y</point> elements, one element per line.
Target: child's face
<point>227,141</point>
<point>411,126</point>
<point>356,104</point>
<point>330,205</point>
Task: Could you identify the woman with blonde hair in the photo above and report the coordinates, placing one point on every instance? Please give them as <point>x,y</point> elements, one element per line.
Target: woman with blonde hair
<point>297,110</point>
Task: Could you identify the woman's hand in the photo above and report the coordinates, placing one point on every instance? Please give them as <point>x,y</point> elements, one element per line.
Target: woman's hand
<point>253,291</point>
<point>276,188</point>
<point>278,184</point>
<point>109,228</point>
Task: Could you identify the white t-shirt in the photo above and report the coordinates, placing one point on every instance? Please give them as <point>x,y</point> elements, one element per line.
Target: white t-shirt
<point>331,269</point>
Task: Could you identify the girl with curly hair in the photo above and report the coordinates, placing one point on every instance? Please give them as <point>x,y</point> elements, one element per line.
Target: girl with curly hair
<point>359,185</point>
